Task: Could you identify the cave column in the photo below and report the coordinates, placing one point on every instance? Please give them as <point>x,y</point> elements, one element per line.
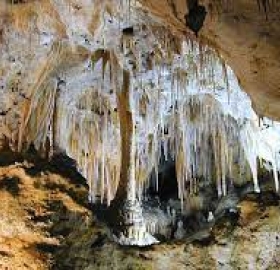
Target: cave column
<point>132,228</point>
<point>127,185</point>
<point>131,217</point>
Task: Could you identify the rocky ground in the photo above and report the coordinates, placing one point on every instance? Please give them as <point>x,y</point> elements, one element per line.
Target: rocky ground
<point>46,223</point>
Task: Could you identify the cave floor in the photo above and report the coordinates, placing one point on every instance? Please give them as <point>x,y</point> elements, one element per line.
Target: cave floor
<point>46,223</point>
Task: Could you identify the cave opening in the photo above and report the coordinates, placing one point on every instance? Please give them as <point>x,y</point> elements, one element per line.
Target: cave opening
<point>164,185</point>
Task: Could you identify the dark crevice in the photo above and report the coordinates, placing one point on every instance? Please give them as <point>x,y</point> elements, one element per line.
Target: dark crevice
<point>266,6</point>
<point>17,1</point>
<point>167,182</point>
<point>196,16</point>
<point>11,185</point>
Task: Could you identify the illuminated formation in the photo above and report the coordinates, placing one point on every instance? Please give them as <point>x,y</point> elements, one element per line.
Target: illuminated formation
<point>140,97</point>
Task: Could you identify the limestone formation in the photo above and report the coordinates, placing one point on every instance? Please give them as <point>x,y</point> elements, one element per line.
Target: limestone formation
<point>125,86</point>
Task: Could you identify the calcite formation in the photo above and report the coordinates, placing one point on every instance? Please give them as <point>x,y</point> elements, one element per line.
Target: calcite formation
<point>121,92</point>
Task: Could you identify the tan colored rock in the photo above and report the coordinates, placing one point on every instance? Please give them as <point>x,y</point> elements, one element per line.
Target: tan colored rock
<point>251,46</point>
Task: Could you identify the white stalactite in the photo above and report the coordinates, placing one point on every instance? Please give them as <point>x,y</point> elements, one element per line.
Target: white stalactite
<point>186,105</point>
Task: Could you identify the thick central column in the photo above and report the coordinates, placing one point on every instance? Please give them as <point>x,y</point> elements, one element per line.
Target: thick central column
<point>132,227</point>
<point>126,187</point>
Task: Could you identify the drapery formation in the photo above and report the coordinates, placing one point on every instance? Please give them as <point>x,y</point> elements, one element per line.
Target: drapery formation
<point>125,123</point>
<point>146,94</point>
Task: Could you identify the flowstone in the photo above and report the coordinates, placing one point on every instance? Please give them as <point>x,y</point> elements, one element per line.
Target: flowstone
<point>134,229</point>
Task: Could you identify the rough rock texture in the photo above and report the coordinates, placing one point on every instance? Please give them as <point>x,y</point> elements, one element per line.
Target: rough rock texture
<point>249,40</point>
<point>35,199</point>
<point>46,224</point>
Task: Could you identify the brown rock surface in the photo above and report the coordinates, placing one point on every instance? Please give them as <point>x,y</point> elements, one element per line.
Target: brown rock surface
<point>29,201</point>
<point>250,43</point>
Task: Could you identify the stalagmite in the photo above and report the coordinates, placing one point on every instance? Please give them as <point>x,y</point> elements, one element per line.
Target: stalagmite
<point>144,96</point>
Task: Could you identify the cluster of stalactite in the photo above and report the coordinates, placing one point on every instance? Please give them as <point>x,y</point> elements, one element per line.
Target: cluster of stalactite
<point>38,112</point>
<point>90,134</point>
<point>169,96</point>
<point>177,114</point>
